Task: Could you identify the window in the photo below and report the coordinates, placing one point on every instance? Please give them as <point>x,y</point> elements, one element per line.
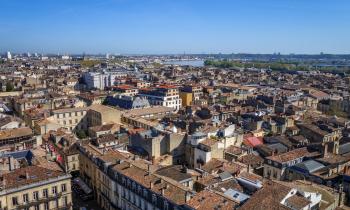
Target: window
<point>65,201</point>
<point>14,201</point>
<point>36,195</point>
<point>54,190</point>
<point>63,188</point>
<point>36,207</point>
<point>166,205</point>
<point>46,206</point>
<point>25,198</point>
<point>144,193</point>
<point>154,198</point>
<point>45,193</point>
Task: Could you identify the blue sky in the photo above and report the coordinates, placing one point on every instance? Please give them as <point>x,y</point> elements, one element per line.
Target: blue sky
<point>175,26</point>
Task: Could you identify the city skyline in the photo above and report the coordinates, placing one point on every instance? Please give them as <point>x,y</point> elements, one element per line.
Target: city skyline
<point>167,27</point>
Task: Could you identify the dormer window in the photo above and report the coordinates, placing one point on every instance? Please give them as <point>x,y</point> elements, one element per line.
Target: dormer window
<point>154,198</point>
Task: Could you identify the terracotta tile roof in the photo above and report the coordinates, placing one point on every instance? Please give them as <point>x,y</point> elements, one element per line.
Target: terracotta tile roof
<point>29,175</point>
<point>297,201</point>
<point>251,159</point>
<point>105,127</point>
<point>267,198</point>
<point>291,155</point>
<point>206,200</point>
<point>172,190</point>
<point>209,142</point>
<point>234,150</point>
<point>15,133</point>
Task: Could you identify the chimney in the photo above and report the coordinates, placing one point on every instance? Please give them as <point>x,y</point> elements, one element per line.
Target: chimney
<point>187,196</point>
<point>325,150</point>
<point>27,175</point>
<point>149,168</point>
<point>162,191</point>
<point>151,185</point>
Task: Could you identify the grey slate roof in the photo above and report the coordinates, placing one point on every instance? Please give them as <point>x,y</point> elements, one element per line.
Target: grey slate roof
<point>310,165</point>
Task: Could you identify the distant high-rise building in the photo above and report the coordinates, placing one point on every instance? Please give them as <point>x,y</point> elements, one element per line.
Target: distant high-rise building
<point>107,56</point>
<point>65,57</point>
<point>9,56</point>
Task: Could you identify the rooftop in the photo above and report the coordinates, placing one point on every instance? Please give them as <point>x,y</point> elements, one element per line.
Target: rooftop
<point>15,133</point>
<point>291,155</point>
<point>29,175</point>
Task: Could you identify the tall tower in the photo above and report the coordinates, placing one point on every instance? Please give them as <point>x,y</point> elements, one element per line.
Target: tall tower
<point>9,56</point>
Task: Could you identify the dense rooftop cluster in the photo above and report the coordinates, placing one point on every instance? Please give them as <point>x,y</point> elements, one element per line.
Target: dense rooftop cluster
<point>137,133</point>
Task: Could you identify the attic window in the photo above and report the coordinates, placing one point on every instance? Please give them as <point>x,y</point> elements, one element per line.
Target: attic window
<point>22,176</point>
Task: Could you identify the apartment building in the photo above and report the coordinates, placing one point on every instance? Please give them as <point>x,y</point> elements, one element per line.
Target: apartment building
<point>190,93</point>
<point>100,115</point>
<point>100,80</point>
<point>122,182</point>
<point>62,147</point>
<point>72,119</point>
<point>163,95</point>
<point>37,188</point>
<point>126,90</point>
<point>157,145</point>
<point>18,137</point>
<point>275,166</point>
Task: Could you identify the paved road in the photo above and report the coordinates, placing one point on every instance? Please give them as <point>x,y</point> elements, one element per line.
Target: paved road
<point>89,205</point>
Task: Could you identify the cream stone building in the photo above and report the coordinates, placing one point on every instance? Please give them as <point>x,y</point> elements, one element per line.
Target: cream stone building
<point>36,188</point>
<point>100,114</point>
<point>72,118</point>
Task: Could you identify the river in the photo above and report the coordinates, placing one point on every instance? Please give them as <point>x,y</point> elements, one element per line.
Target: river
<point>195,63</point>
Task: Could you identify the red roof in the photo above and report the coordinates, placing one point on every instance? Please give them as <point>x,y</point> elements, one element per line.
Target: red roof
<point>167,86</point>
<point>253,141</point>
<point>124,87</point>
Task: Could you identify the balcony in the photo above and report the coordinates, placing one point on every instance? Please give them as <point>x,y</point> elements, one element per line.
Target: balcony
<point>66,207</point>
<point>39,201</point>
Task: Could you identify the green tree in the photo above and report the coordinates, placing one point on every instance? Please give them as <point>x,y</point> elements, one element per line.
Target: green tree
<point>9,87</point>
<point>81,134</point>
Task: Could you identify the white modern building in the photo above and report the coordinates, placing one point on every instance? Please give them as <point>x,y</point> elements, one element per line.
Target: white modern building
<point>100,80</point>
<point>165,95</point>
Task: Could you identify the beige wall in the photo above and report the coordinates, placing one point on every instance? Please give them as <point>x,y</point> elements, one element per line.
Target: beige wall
<point>72,120</point>
<point>6,200</point>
